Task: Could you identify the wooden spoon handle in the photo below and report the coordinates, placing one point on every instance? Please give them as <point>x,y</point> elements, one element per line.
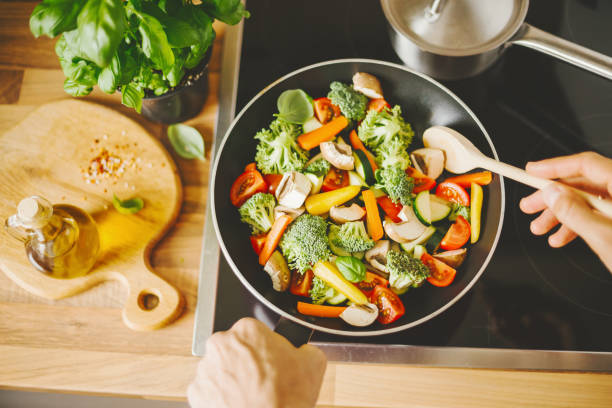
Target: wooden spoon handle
<point>520,175</point>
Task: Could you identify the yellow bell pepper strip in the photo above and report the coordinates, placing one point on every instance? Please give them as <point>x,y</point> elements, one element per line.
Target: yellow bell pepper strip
<point>475,211</point>
<point>330,274</point>
<point>321,203</point>
<point>375,227</point>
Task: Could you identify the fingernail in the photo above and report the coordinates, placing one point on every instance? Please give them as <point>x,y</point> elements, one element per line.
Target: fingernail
<point>550,195</point>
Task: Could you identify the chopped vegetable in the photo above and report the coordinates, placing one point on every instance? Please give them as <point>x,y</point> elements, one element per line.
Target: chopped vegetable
<point>305,242</point>
<point>458,209</point>
<point>335,179</point>
<point>481,178</point>
<point>352,104</point>
<point>328,272</point>
<point>378,104</point>
<point>126,207</point>
<point>360,315</point>
<point>278,150</point>
<point>294,106</point>
<point>390,208</point>
<point>273,180</point>
<point>453,258</point>
<point>352,237</point>
<point>390,306</point>
<point>320,291</point>
<point>258,212</point>
<point>370,281</point>
<point>379,128</point>
<point>246,185</point>
<point>422,207</point>
<point>428,161</point>
<point>475,211</point>
<point>321,203</point>
<point>421,181</point>
<point>393,153</point>
<point>375,228</point>
<point>396,183</point>
<point>274,237</point>
<point>257,242</point>
<point>332,237</point>
<point>405,271</point>
<point>325,133</point>
<point>440,209</point>
<point>301,283</point>
<point>421,240</point>
<point>453,192</point>
<point>279,273</point>
<point>440,274</point>
<point>351,268</point>
<point>358,145</point>
<point>325,110</point>
<point>319,167</point>
<point>309,309</point>
<point>457,235</point>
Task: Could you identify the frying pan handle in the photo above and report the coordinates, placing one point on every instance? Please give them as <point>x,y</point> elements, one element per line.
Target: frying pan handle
<point>297,334</point>
<point>582,57</point>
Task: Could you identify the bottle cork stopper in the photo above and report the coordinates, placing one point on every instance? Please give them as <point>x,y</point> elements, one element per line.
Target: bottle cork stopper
<point>29,209</point>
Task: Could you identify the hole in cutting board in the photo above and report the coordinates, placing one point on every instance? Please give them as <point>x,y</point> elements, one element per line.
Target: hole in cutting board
<point>147,300</point>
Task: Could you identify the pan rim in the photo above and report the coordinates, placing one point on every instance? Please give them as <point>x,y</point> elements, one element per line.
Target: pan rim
<point>293,318</point>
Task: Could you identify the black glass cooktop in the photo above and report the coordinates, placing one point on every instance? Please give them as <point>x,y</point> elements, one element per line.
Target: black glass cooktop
<point>533,107</point>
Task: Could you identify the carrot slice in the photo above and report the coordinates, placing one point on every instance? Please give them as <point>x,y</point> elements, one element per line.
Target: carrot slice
<point>274,236</point>
<point>378,104</point>
<point>465,180</point>
<point>319,310</point>
<point>325,133</point>
<point>358,145</point>
<point>375,228</point>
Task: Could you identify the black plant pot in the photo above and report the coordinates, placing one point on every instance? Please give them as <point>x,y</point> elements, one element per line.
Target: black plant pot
<point>182,103</point>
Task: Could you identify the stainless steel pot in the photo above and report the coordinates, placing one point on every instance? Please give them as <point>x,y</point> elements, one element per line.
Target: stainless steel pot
<point>454,39</point>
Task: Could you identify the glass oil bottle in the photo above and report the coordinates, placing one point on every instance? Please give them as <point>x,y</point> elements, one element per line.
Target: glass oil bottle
<point>60,240</point>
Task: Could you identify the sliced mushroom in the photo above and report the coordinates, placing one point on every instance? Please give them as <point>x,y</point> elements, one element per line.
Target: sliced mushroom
<point>453,258</point>
<point>340,156</point>
<point>377,256</point>
<point>368,85</point>
<point>279,271</point>
<point>404,231</point>
<point>428,161</point>
<point>293,189</point>
<point>360,315</point>
<point>292,212</point>
<point>342,214</point>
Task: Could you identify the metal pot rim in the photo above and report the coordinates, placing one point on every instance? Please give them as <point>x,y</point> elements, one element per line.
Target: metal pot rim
<point>302,322</point>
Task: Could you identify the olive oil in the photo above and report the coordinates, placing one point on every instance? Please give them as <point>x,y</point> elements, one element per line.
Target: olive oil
<point>61,240</point>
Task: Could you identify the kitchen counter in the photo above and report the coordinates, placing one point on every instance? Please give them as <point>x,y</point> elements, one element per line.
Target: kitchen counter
<point>80,345</point>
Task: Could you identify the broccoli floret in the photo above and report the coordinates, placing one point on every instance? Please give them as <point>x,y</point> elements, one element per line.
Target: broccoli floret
<point>393,153</point>
<point>321,291</point>
<point>379,128</point>
<point>258,212</point>
<point>457,210</point>
<point>278,151</point>
<point>405,271</point>
<point>396,183</point>
<point>352,237</point>
<point>352,104</point>
<point>319,167</point>
<point>305,242</point>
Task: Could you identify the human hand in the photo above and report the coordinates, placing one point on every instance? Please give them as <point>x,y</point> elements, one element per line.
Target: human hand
<point>587,171</point>
<point>251,366</point>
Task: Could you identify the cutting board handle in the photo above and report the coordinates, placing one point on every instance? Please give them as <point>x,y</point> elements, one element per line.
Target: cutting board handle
<point>152,302</point>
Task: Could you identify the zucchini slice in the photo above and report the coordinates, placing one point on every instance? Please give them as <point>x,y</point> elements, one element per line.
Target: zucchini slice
<point>439,208</point>
<point>409,246</point>
<point>422,207</point>
<point>336,300</point>
<point>356,180</point>
<point>363,168</point>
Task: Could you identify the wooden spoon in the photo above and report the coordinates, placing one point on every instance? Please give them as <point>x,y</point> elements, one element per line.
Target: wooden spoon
<point>463,156</point>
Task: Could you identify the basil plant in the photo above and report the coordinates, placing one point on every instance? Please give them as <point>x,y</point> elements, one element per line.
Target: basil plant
<point>138,46</point>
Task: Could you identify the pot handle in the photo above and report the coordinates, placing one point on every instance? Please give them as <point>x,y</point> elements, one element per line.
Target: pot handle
<point>297,334</point>
<point>582,57</point>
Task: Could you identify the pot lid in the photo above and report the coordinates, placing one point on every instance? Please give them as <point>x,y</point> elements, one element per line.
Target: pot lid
<point>456,27</point>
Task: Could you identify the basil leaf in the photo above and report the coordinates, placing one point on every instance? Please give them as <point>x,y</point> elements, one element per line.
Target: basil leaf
<point>206,34</point>
<point>53,17</point>
<point>294,106</point>
<point>101,25</point>
<point>131,96</point>
<point>177,71</point>
<point>83,72</point>
<point>127,207</point>
<point>109,77</point>
<point>76,88</point>
<point>186,141</point>
<point>351,268</point>
<point>155,43</point>
<point>228,11</point>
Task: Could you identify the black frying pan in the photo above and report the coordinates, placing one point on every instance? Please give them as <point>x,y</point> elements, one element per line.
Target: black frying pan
<point>424,103</point>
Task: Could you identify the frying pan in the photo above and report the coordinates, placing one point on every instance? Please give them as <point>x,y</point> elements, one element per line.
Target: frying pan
<point>424,103</point>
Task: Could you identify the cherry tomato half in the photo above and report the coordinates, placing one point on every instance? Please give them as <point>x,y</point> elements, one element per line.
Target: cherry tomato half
<point>378,104</point>
<point>457,235</point>
<point>247,184</point>
<point>421,181</point>
<point>453,192</point>
<point>370,282</point>
<point>441,274</point>
<point>325,110</point>
<point>335,179</point>
<point>250,167</point>
<point>390,306</point>
<point>273,181</point>
<point>257,242</point>
<point>390,208</point>
<point>301,283</point>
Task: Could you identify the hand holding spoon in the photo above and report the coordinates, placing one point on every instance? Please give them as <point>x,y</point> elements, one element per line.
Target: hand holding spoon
<point>462,156</point>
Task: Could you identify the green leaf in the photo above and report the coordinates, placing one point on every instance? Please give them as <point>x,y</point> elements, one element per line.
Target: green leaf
<point>53,17</point>
<point>186,141</point>
<point>83,72</point>
<point>75,88</point>
<point>206,34</point>
<point>228,11</point>
<point>294,106</point>
<point>351,268</point>
<point>155,43</point>
<point>177,72</point>
<point>131,96</point>
<point>180,32</point>
<point>101,26</point>
<point>109,77</point>
<point>127,207</point>
<point>158,84</point>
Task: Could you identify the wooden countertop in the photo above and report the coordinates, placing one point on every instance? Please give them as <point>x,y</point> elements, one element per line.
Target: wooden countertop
<point>80,344</point>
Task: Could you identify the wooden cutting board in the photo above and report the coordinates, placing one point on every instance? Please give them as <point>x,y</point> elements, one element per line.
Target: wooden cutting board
<point>49,154</point>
